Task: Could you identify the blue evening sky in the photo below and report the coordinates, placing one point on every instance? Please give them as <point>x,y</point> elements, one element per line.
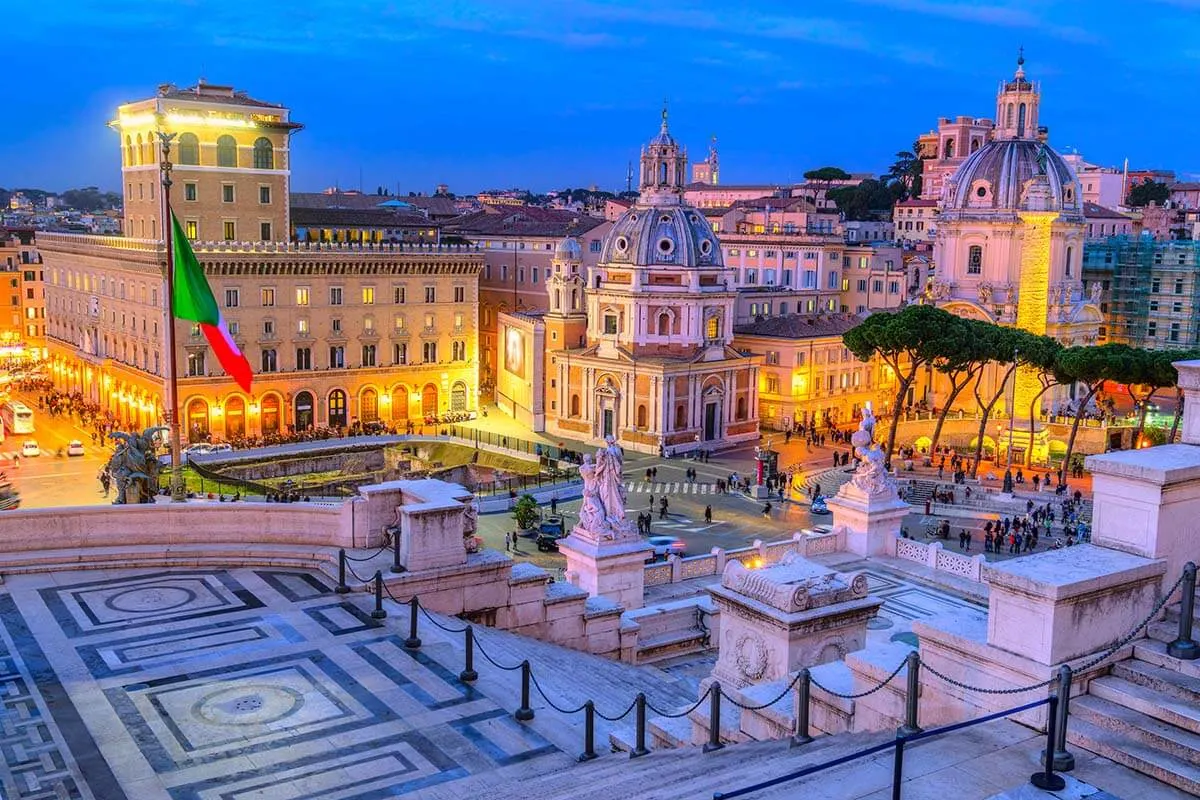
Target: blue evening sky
<point>551,93</point>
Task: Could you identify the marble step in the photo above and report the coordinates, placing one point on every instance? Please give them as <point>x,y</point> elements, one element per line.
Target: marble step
<point>1173,613</point>
<point>1170,682</point>
<point>1163,631</point>
<point>1136,726</point>
<point>1133,754</point>
<point>1154,651</point>
<point>1150,702</point>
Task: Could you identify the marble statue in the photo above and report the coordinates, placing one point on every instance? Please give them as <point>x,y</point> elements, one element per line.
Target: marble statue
<point>134,465</point>
<point>985,294</point>
<point>1096,291</point>
<point>871,476</point>
<point>603,511</point>
<point>591,512</point>
<point>1043,158</point>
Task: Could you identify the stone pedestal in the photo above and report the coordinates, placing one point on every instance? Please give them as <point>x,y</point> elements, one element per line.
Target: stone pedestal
<point>613,569</point>
<point>433,517</point>
<point>872,520</point>
<point>1027,449</point>
<point>778,619</point>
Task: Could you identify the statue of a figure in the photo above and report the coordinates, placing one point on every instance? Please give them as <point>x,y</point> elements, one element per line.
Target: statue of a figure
<point>613,489</point>
<point>871,475</point>
<point>1043,159</point>
<point>591,512</point>
<point>1096,291</point>
<point>985,294</point>
<point>134,466</point>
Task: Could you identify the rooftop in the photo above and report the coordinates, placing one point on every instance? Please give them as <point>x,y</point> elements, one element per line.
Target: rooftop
<point>800,326</point>
<point>373,217</point>
<point>522,221</point>
<point>1096,211</point>
<point>211,92</point>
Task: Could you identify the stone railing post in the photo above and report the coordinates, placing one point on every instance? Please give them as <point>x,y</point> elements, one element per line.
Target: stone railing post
<point>977,568</point>
<point>800,544</point>
<point>931,554</point>
<point>761,548</point>
<point>719,556</point>
<point>676,567</point>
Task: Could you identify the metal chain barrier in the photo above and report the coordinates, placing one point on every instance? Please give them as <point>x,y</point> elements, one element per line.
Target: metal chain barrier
<point>857,695</point>
<point>393,597</point>
<point>385,546</point>
<point>621,716</point>
<point>358,577</point>
<point>777,698</point>
<point>492,661</point>
<point>437,624</point>
<point>679,714</point>
<point>551,703</point>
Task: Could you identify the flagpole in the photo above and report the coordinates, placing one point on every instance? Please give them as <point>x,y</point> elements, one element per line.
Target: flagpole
<point>177,493</point>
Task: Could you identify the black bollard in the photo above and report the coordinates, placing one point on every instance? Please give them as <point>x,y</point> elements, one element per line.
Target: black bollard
<point>413,642</point>
<point>394,530</point>
<point>469,675</point>
<point>342,588</point>
<point>639,748</point>
<point>1063,760</point>
<point>524,713</point>
<point>1185,647</point>
<point>898,768</point>
<point>589,731</point>
<point>803,699</point>
<point>378,613</point>
<point>714,719</point>
<point>910,725</point>
<point>1046,780</point>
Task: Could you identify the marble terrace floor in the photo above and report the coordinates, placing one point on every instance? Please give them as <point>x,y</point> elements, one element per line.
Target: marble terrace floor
<point>228,685</point>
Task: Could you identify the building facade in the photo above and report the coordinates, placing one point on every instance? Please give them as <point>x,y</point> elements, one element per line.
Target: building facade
<point>1148,289</point>
<point>942,151</point>
<point>22,296</point>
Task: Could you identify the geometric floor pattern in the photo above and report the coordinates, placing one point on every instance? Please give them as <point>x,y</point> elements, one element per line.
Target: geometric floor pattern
<point>227,685</point>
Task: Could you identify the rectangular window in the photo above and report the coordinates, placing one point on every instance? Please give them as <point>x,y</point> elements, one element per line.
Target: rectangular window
<point>232,296</point>
<point>397,294</point>
<point>336,324</point>
<point>429,352</point>
<point>862,285</point>
<point>810,279</point>
<point>264,195</point>
<point>610,324</point>
<point>1155,285</point>
<point>302,327</point>
<point>368,295</point>
<point>230,230</point>
<point>195,365</point>
<point>268,297</point>
<point>894,287</point>
<point>335,295</point>
<point>460,294</point>
<point>227,193</point>
<point>400,353</point>
<point>430,294</point>
<point>189,192</point>
<point>268,361</point>
<point>1174,334</point>
<point>303,358</point>
<point>1179,286</point>
<point>1154,305</point>
<point>877,286</point>
<point>337,357</point>
<point>458,320</point>
<point>833,279</point>
<point>398,323</point>
<point>268,327</point>
<point>1151,329</point>
<point>190,230</point>
<point>772,357</point>
<point>301,295</point>
<point>1175,307</point>
<point>773,384</point>
<point>264,231</point>
<point>593,245</point>
<point>368,355</point>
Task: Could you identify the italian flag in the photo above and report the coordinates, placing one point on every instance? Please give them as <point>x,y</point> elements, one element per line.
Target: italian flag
<point>194,301</point>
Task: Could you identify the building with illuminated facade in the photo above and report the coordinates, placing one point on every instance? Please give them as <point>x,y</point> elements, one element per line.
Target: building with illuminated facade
<point>1008,246</point>
<point>335,333</point>
<point>22,296</point>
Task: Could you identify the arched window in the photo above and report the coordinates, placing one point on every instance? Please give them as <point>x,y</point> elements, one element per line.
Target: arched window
<point>235,418</point>
<point>264,153</point>
<point>574,299</point>
<point>741,408</point>
<point>197,414</point>
<point>1009,118</point>
<point>664,324</point>
<point>974,145</point>
<point>128,150</point>
<point>1021,120</point>
<point>270,414</point>
<point>662,173</point>
<point>557,300</point>
<point>974,259</point>
<point>429,399</point>
<point>226,151</point>
<point>138,153</point>
<point>304,411</point>
<point>399,403</point>
<point>712,328</point>
<point>574,405</point>
<point>369,405</point>
<point>1070,252</point>
<point>641,416</point>
<point>337,409</point>
<point>458,397</point>
<point>680,417</point>
<point>189,149</point>
<point>948,151</point>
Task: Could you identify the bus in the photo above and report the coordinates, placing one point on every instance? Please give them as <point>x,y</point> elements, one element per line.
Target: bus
<point>18,417</point>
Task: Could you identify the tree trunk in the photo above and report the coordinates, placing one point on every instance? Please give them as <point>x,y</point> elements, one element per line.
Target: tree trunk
<point>1141,426</point>
<point>950,398</point>
<point>987,413</point>
<point>1178,414</point>
<point>1075,428</point>
<point>1032,423</point>
<point>903,390</point>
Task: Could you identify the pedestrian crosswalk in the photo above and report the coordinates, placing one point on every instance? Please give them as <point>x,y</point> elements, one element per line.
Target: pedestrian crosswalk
<point>669,487</point>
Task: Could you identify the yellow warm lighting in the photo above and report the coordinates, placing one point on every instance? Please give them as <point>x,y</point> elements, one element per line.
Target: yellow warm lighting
<point>386,400</point>
<point>254,408</point>
<point>1032,302</point>
<point>211,120</point>
<point>217,411</point>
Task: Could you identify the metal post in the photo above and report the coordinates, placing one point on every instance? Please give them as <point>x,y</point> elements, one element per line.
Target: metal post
<point>178,493</point>
<point>1046,780</point>
<point>524,713</point>
<point>394,530</point>
<point>469,675</point>
<point>898,768</point>
<point>1185,647</point>
<point>910,725</point>
<point>342,588</point>
<point>714,719</point>
<point>1063,760</point>
<point>413,642</point>
<point>639,748</point>
<point>378,613</point>
<point>803,698</point>
<point>589,731</point>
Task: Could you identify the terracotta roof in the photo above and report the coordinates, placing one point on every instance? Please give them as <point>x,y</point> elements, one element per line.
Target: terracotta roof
<point>800,326</point>
<point>1185,186</point>
<point>360,217</point>
<point>779,204</point>
<point>522,221</point>
<point>916,202</point>
<point>1095,211</point>
<point>437,206</point>
<point>213,93</point>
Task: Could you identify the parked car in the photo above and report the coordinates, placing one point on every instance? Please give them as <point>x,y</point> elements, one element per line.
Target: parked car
<point>666,545</point>
<point>75,448</point>
<point>220,447</point>
<point>197,449</point>
<point>548,542</point>
<point>30,448</point>
<point>818,506</point>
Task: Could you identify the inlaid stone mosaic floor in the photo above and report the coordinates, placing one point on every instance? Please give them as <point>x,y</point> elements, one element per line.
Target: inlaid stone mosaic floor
<point>228,685</point>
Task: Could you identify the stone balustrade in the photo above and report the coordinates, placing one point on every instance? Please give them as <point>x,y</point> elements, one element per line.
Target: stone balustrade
<point>934,556</point>
<point>759,554</point>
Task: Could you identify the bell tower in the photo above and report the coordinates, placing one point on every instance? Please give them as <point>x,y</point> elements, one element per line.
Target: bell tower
<point>566,317</point>
<point>1017,105</point>
<point>664,167</point>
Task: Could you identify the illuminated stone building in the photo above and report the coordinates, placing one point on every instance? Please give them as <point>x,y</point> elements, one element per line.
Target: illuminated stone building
<point>1008,246</point>
<point>22,295</point>
<point>335,333</point>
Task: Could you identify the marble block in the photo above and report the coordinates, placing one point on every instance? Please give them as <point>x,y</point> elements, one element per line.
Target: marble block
<point>613,569</point>
<point>1054,606</point>
<point>871,521</point>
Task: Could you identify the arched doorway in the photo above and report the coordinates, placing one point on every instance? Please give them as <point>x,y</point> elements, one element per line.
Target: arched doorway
<point>368,406</point>
<point>197,417</point>
<point>458,397</point>
<point>304,411</point>
<point>399,404</point>
<point>270,414</point>
<point>429,400</point>
<point>337,409</point>
<point>235,418</point>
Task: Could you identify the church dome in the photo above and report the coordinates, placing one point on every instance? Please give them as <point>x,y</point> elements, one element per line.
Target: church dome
<point>666,235</point>
<point>999,175</point>
<point>568,249</point>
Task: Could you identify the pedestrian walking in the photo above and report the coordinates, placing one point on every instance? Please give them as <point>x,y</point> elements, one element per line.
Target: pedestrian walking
<point>766,512</point>
<point>708,514</point>
<point>554,504</point>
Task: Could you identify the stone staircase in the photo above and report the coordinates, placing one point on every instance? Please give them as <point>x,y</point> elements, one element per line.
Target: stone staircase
<point>1145,714</point>
<point>831,479</point>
